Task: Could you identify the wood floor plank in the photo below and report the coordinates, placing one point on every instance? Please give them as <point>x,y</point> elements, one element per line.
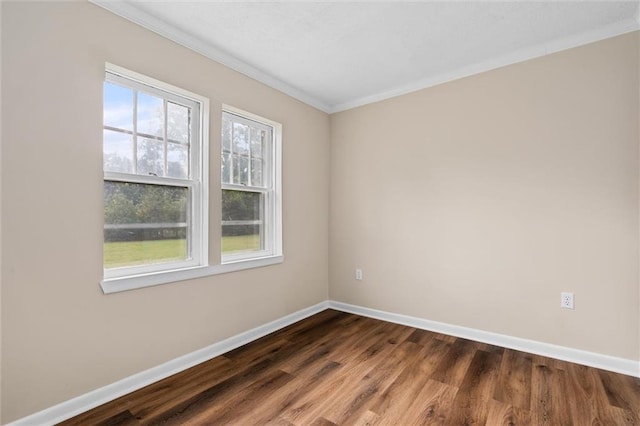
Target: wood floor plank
<point>621,416</point>
<point>254,368</point>
<point>303,384</point>
<point>374,383</point>
<point>454,367</point>
<point>421,337</point>
<point>103,415</point>
<point>502,414</point>
<point>581,386</point>
<point>327,346</point>
<point>163,395</point>
<point>344,325</point>
<point>550,404</point>
<point>325,320</point>
<point>369,418</point>
<point>335,368</point>
<point>432,406</point>
<point>620,391</point>
<point>514,380</point>
<point>321,421</point>
<point>242,403</point>
<point>396,399</point>
<point>349,378</point>
<point>280,422</point>
<point>445,338</point>
<point>217,398</point>
<point>471,403</point>
<point>123,419</point>
<point>601,409</point>
<point>368,342</point>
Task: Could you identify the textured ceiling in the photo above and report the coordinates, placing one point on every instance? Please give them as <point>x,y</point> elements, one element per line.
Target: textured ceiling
<point>337,55</point>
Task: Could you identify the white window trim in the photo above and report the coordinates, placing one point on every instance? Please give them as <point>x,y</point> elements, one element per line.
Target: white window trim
<point>273,218</point>
<point>133,282</point>
<point>131,278</point>
<point>116,285</point>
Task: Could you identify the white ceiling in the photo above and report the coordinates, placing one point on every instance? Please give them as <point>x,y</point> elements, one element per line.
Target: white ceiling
<point>338,55</point>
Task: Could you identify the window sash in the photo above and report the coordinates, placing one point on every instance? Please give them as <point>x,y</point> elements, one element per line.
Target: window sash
<point>266,156</point>
<point>269,226</point>
<point>268,247</point>
<point>195,182</point>
<point>192,237</point>
<point>165,94</point>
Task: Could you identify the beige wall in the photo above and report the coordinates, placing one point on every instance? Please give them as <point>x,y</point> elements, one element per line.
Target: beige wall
<point>477,202</point>
<point>473,203</point>
<point>61,337</point>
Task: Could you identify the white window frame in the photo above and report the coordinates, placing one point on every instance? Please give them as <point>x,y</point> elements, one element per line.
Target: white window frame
<point>272,192</point>
<point>114,284</point>
<point>125,278</point>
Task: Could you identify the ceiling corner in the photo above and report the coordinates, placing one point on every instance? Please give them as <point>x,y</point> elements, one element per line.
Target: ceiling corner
<point>132,13</point>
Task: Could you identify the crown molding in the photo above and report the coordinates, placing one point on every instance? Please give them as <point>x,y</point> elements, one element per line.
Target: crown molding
<point>128,11</point>
<point>521,55</point>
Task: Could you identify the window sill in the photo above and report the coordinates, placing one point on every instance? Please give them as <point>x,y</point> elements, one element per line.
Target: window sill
<point>115,285</point>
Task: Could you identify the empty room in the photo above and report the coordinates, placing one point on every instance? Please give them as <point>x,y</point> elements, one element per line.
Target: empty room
<point>320,213</point>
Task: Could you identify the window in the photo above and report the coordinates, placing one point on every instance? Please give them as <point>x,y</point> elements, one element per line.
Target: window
<point>155,169</point>
<point>251,217</point>
<point>155,187</point>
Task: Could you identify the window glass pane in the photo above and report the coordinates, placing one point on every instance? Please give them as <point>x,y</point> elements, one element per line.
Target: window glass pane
<point>117,152</point>
<point>177,160</point>
<point>177,122</point>
<point>256,172</point>
<point>118,106</point>
<point>150,115</point>
<point>226,168</point>
<point>242,229</point>
<point>226,135</point>
<point>240,170</point>
<point>257,137</point>
<point>150,157</point>
<point>240,139</point>
<point>144,224</point>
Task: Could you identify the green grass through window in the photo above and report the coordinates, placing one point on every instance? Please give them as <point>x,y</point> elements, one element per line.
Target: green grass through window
<point>131,253</point>
<point>241,243</point>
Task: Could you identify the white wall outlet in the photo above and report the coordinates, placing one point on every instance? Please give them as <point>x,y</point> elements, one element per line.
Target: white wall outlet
<point>359,274</point>
<point>566,300</point>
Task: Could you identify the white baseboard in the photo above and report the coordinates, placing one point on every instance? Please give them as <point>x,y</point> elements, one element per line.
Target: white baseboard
<point>591,359</point>
<point>82,403</point>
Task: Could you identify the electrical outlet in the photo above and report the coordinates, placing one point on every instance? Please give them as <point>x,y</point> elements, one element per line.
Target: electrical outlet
<point>359,274</point>
<point>566,300</point>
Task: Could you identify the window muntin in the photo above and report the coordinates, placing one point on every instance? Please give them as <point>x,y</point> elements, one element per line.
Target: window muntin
<point>153,130</point>
<point>250,224</point>
<point>154,186</point>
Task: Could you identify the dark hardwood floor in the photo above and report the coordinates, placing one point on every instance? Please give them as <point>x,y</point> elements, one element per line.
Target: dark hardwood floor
<point>341,369</point>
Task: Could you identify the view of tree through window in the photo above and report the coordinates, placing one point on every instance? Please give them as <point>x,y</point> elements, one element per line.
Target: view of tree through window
<point>146,144</point>
<point>144,223</point>
<point>242,224</point>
